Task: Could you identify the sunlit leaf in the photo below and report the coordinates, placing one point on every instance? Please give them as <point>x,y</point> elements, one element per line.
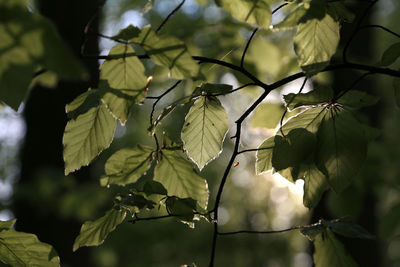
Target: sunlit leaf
<point>83,103</point>
<point>293,19</point>
<point>127,165</point>
<point>7,224</point>
<point>342,148</point>
<point>23,249</point>
<point>250,11</point>
<point>315,184</point>
<point>86,136</point>
<point>318,95</point>
<point>177,175</point>
<point>316,42</point>
<point>125,82</point>
<point>204,130</point>
<point>93,233</point>
<point>329,252</point>
<point>310,119</point>
<point>264,156</point>
<point>391,54</point>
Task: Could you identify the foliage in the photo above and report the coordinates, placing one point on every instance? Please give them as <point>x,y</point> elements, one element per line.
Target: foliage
<point>324,143</point>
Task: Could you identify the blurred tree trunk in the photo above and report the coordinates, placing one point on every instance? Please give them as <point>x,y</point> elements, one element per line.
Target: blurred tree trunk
<point>359,197</point>
<point>45,119</point>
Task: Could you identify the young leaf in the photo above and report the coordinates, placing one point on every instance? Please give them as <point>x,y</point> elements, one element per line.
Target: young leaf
<point>168,51</point>
<point>124,82</point>
<point>179,178</point>
<point>204,130</point>
<point>86,136</point>
<point>341,149</point>
<point>23,249</point>
<point>127,165</point>
<point>317,96</point>
<point>316,42</point>
<point>250,11</point>
<point>329,252</point>
<point>93,233</point>
<point>315,184</point>
<point>391,54</point>
<point>264,156</point>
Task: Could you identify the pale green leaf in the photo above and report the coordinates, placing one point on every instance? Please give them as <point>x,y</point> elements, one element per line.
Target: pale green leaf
<point>23,249</point>
<point>124,82</point>
<point>93,233</point>
<point>7,224</point>
<point>83,103</point>
<point>169,52</point>
<point>342,148</point>
<point>309,119</point>
<point>267,115</point>
<point>315,184</point>
<point>318,95</point>
<point>250,11</point>
<point>86,136</point>
<point>391,54</point>
<point>203,133</point>
<point>264,156</point>
<point>127,165</point>
<point>177,175</point>
<point>316,42</point>
<point>329,252</point>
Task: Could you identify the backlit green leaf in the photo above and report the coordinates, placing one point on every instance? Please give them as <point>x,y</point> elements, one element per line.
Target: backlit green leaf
<point>211,88</point>
<point>23,249</point>
<point>391,54</point>
<point>127,165</point>
<point>292,20</point>
<point>329,252</point>
<point>316,42</point>
<point>93,233</point>
<point>204,130</point>
<point>124,82</point>
<point>267,115</point>
<point>315,184</point>
<point>7,224</point>
<point>86,136</point>
<point>127,33</point>
<point>250,11</point>
<point>264,156</point>
<point>357,99</point>
<point>177,175</point>
<point>310,119</point>
<point>185,207</point>
<point>83,103</point>
<point>317,96</point>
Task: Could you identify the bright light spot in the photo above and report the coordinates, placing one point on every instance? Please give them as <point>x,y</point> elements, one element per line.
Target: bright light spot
<point>278,194</point>
<point>5,190</point>
<point>302,260</point>
<point>241,178</point>
<point>132,17</point>
<point>212,14</point>
<point>6,215</point>
<point>191,8</point>
<point>12,127</point>
<point>259,221</point>
<point>165,7</point>
<point>223,216</point>
<point>293,87</point>
<point>229,78</point>
<point>281,222</point>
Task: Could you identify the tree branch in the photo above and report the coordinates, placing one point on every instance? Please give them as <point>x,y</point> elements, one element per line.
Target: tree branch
<point>247,47</point>
<point>169,16</point>
<point>261,232</point>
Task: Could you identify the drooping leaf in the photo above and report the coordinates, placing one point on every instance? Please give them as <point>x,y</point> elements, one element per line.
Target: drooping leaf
<point>250,11</point>
<point>296,147</point>
<point>316,42</point>
<point>348,229</point>
<point>177,175</point>
<point>124,82</point>
<point>357,99</point>
<point>204,130</point>
<point>127,33</point>
<point>23,249</point>
<point>93,233</point>
<point>264,156</point>
<point>169,52</point>
<point>317,96</point>
<point>315,184</point>
<point>342,148</point>
<point>391,54</point>
<point>184,207</point>
<point>83,103</point>
<point>329,252</point>
<point>86,136</point>
<point>267,115</point>
<point>127,165</point>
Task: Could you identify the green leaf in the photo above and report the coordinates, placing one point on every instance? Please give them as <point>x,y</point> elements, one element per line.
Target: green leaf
<point>316,42</point>
<point>83,103</point>
<point>309,119</point>
<point>204,130</point>
<point>317,96</point>
<point>211,88</point>
<point>396,87</point>
<point>154,188</point>
<point>329,252</point>
<point>86,136</point>
<point>164,113</point>
<point>293,19</point>
<point>267,115</point>
<point>127,165</point>
<point>342,148</point>
<point>93,233</point>
<point>184,207</point>
<point>135,202</point>
<point>7,224</point>
<point>127,33</point>
<point>348,229</point>
<point>339,12</point>
<point>315,184</point>
<point>168,51</point>
<point>296,147</point>
<point>311,231</point>
<point>391,54</point>
<point>23,249</point>
<point>124,82</point>
<point>264,156</point>
<point>179,178</point>
<point>250,11</point>
<point>357,99</point>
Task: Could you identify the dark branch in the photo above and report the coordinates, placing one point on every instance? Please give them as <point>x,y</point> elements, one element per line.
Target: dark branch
<point>247,47</point>
<point>233,90</point>
<point>261,232</point>
<point>169,16</point>
<point>279,7</point>
<point>253,149</point>
<point>359,79</point>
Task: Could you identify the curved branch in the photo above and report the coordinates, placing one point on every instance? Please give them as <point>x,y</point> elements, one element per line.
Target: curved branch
<point>247,47</point>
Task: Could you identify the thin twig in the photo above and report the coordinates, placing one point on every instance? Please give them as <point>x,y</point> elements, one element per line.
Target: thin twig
<point>254,149</point>
<point>261,232</point>
<point>359,79</point>
<point>247,47</point>
<point>169,16</point>
<point>88,26</point>
<point>233,90</point>
<point>279,7</point>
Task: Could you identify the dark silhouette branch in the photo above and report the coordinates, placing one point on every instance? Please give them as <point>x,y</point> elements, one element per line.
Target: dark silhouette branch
<point>278,8</point>
<point>261,232</point>
<point>169,16</point>
<point>247,47</point>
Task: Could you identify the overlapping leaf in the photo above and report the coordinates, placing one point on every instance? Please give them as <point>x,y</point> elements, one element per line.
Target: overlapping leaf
<point>127,165</point>
<point>93,233</point>
<point>204,130</point>
<point>317,96</point>
<point>264,156</point>
<point>177,175</point>
<point>124,82</point>
<point>86,136</point>
<point>315,183</point>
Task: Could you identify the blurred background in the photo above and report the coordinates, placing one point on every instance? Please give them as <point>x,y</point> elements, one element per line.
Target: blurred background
<point>34,190</point>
